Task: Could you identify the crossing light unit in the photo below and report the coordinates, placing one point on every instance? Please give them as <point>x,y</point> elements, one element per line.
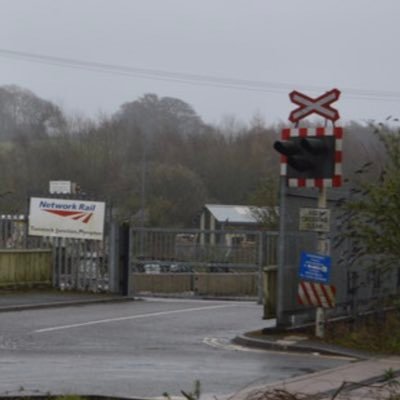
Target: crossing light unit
<point>311,157</point>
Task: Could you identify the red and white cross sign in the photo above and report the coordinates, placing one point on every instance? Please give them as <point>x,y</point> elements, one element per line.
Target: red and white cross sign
<point>319,105</point>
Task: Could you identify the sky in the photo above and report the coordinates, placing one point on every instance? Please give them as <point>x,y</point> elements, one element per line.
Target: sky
<point>226,58</point>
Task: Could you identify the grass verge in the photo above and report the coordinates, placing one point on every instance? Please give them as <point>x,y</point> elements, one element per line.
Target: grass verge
<point>378,333</point>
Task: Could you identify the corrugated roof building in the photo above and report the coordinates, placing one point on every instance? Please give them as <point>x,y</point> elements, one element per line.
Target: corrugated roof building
<point>231,215</point>
<point>221,217</point>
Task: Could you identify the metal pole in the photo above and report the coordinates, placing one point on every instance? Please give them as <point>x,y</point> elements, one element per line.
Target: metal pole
<point>260,269</point>
<point>322,248</point>
<point>143,184</point>
<point>143,187</point>
<point>113,263</point>
<point>281,321</point>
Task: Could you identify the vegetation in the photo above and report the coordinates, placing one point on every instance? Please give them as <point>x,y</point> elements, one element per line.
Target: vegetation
<point>153,152</point>
<point>154,159</point>
<point>372,214</point>
<point>369,334</point>
<point>193,395</point>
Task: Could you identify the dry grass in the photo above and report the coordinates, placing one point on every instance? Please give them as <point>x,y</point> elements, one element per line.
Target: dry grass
<point>373,334</point>
<point>278,394</point>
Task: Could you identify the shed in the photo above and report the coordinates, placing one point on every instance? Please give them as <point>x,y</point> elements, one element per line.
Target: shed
<point>220,217</point>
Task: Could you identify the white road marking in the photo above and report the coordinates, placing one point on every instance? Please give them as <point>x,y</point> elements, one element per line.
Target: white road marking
<point>249,303</point>
<point>138,316</point>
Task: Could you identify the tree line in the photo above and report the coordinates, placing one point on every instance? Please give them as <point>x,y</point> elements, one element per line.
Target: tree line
<point>153,160</point>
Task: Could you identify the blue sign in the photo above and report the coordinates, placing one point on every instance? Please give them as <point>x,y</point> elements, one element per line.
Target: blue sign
<point>315,267</point>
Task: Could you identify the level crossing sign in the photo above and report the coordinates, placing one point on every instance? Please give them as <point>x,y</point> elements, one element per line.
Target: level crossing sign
<point>314,219</point>
<point>319,105</point>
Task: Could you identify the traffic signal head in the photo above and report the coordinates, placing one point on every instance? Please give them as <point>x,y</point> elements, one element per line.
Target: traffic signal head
<point>309,154</point>
<point>293,151</point>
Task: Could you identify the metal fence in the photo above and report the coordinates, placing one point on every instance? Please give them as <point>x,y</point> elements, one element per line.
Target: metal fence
<point>173,251</point>
<point>92,265</point>
<point>77,264</point>
<point>359,287</point>
<point>203,250</point>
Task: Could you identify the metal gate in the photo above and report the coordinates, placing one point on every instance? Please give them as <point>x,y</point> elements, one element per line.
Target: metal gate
<point>194,262</point>
<point>77,264</point>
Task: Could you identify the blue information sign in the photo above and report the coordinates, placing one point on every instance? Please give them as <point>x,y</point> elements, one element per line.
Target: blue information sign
<point>315,267</point>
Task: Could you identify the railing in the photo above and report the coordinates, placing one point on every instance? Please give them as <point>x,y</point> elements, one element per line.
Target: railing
<point>203,248</point>
<point>75,263</point>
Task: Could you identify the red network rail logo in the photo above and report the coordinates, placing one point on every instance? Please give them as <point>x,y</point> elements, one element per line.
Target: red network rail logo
<point>75,215</point>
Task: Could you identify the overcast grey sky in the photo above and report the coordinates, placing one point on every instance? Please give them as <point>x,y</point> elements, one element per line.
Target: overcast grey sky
<point>308,45</point>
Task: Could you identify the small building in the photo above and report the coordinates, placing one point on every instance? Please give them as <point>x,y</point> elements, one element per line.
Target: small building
<point>220,217</point>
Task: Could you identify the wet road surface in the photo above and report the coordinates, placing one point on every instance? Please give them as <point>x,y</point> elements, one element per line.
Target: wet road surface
<point>141,349</point>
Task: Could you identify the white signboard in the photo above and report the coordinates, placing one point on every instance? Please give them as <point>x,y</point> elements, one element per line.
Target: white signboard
<point>63,187</point>
<point>315,219</point>
<point>66,218</point>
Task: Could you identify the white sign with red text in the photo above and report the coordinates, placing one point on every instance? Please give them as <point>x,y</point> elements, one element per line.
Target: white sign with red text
<point>79,219</point>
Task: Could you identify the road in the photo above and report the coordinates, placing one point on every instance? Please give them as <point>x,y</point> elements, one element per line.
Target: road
<point>140,349</point>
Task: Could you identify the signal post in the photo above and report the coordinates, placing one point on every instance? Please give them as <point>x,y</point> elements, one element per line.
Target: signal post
<point>310,158</point>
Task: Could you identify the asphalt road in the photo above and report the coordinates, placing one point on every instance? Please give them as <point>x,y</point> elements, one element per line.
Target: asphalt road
<point>140,349</point>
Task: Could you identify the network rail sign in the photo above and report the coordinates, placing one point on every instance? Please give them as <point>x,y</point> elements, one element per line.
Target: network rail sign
<point>66,218</point>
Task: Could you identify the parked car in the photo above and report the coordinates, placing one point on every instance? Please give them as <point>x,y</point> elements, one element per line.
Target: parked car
<point>152,268</point>
<point>160,267</point>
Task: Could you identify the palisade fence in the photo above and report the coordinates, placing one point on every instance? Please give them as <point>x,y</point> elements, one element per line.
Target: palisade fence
<point>230,261</point>
<point>77,263</point>
<point>201,250</point>
<point>183,259</point>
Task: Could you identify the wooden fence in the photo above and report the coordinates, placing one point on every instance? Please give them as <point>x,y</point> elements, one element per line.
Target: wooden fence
<point>25,267</point>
